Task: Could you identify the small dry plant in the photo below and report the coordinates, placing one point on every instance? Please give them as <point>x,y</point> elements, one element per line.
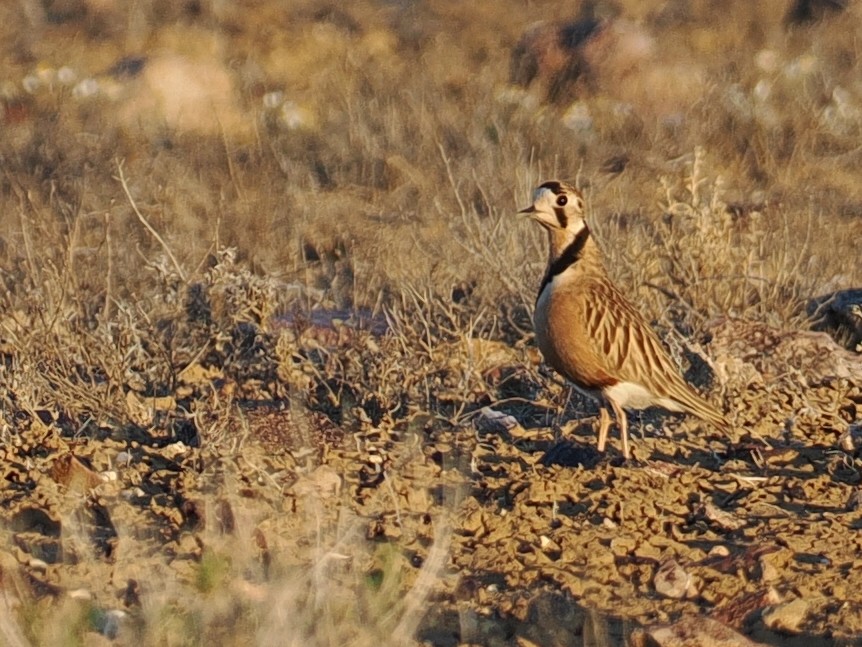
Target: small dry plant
<point>698,257</point>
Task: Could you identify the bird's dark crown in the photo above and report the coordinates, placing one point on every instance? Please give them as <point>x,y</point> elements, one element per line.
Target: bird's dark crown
<point>554,186</point>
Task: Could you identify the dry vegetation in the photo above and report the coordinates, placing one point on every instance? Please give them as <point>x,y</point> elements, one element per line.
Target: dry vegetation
<point>245,335</point>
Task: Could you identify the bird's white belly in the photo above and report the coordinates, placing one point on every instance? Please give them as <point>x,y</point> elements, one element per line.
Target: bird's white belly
<point>631,395</point>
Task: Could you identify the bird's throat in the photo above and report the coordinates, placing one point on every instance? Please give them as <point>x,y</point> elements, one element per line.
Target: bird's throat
<point>565,252</point>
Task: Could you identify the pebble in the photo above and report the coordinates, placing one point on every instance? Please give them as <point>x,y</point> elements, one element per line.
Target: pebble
<point>81,594</point>
<point>673,581</point>
<point>851,440</point>
<point>722,518</point>
<point>492,421</point>
<point>133,493</point>
<point>38,565</point>
<point>175,449</point>
<point>550,547</point>
<point>719,551</point>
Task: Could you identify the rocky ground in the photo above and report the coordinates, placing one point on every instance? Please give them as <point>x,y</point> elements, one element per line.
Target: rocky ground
<point>506,520</point>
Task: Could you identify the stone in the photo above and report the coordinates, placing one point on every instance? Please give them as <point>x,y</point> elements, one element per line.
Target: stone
<point>788,617</point>
<point>840,314</point>
<point>673,581</point>
<point>693,632</point>
<point>851,440</point>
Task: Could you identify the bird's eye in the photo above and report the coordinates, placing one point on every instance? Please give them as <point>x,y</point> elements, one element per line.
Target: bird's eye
<point>562,200</point>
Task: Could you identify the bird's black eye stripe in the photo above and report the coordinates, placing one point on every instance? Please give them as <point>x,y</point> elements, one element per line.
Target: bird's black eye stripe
<point>562,200</point>
<point>561,217</point>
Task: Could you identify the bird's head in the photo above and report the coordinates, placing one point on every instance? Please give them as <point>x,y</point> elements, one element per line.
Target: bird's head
<point>558,207</point>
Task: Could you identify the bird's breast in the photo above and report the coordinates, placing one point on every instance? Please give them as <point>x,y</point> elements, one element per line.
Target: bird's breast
<point>563,338</point>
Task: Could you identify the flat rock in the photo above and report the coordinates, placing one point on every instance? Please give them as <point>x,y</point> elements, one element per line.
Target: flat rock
<point>693,632</point>
<point>745,352</point>
<point>788,617</point>
<point>840,314</point>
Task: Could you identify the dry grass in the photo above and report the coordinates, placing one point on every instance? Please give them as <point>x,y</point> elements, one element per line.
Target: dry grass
<point>387,183</point>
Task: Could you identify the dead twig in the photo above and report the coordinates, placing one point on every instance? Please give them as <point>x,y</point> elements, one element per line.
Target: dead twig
<point>121,177</point>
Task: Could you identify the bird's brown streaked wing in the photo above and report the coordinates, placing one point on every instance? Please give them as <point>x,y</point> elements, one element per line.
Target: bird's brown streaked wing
<point>628,349</point>
<point>621,336</point>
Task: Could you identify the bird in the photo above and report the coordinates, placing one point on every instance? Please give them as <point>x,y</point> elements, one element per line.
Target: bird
<point>590,333</point>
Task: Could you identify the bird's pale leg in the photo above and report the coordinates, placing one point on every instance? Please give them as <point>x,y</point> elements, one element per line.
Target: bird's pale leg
<point>604,425</point>
<point>623,425</point>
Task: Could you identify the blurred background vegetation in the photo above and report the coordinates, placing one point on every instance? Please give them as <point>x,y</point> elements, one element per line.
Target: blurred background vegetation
<point>350,150</point>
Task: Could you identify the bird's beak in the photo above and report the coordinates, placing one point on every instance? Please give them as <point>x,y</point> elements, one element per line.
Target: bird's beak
<point>528,210</point>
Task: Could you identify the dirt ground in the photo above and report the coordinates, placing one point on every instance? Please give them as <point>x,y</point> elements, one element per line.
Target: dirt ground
<point>533,539</point>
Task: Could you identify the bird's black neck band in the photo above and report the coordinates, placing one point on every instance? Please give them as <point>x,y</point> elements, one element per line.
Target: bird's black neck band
<point>570,255</point>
